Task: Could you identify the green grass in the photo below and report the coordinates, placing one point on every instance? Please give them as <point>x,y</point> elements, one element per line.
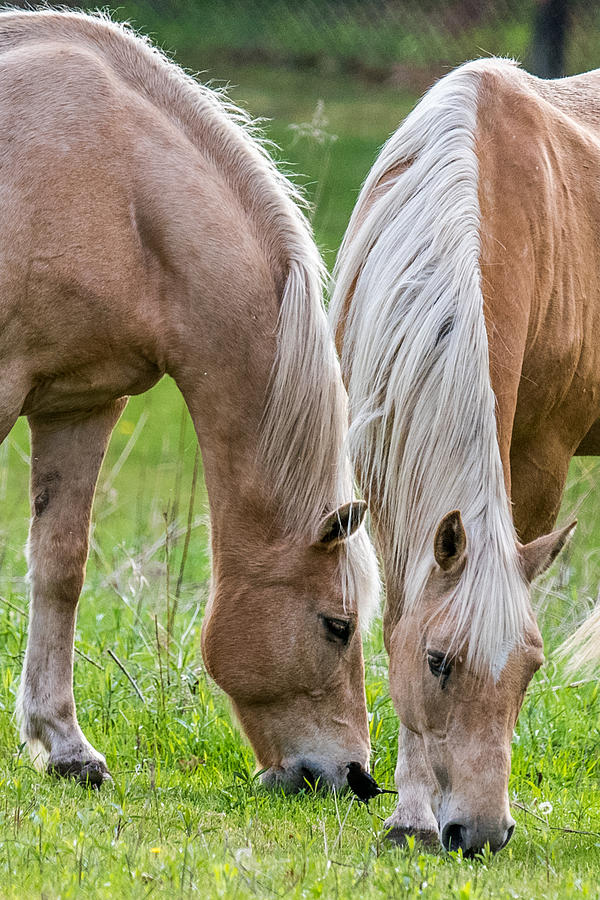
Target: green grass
<point>185,816</point>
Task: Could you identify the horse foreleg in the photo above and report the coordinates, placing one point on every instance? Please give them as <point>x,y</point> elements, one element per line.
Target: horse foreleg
<point>416,792</point>
<point>66,458</point>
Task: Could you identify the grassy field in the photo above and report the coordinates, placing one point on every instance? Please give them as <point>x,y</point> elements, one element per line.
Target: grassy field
<point>185,816</point>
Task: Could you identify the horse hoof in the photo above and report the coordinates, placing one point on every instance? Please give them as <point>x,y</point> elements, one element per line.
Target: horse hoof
<point>397,834</point>
<point>90,774</point>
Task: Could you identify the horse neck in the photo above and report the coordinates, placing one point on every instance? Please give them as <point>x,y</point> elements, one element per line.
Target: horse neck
<point>241,328</point>
<point>223,371</point>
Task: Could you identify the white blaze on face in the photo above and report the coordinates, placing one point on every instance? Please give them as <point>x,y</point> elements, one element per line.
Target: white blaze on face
<point>500,661</point>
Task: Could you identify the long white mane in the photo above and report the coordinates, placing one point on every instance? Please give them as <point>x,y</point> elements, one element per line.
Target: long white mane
<point>408,301</point>
<point>305,429</point>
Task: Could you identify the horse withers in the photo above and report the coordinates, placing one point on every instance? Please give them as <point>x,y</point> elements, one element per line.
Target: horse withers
<point>145,231</point>
<point>466,310</point>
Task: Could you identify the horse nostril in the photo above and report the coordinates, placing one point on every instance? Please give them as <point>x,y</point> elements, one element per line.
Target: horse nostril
<point>309,778</point>
<point>453,836</point>
<point>509,834</point>
<point>458,837</point>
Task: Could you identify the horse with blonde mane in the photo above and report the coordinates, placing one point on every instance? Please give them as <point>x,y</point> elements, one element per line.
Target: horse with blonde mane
<point>145,232</point>
<point>466,313</point>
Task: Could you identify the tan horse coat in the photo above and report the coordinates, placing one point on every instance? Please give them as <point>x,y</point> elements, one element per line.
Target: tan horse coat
<point>538,146</point>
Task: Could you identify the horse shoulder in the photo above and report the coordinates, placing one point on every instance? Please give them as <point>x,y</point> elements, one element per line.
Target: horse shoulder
<point>540,242</point>
<point>540,248</point>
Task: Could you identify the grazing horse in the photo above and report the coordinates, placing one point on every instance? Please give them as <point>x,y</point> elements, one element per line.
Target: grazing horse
<point>146,232</point>
<point>466,313</point>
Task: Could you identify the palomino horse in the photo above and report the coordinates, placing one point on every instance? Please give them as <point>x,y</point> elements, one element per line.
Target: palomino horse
<point>144,232</point>
<point>466,312</point>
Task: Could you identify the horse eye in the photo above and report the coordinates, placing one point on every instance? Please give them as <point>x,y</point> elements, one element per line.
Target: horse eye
<point>439,666</point>
<point>337,631</point>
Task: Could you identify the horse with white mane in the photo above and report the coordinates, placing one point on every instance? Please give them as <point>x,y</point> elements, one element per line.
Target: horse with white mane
<point>145,231</point>
<point>466,311</point>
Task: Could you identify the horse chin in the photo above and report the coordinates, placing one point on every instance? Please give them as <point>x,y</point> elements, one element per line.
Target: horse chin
<point>304,774</point>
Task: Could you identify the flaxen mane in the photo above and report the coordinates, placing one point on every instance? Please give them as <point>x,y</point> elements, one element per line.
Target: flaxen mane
<point>304,424</point>
<point>415,356</point>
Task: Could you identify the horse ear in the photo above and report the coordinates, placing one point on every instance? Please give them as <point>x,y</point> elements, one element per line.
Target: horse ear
<point>539,554</point>
<point>340,524</point>
<point>450,542</point>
